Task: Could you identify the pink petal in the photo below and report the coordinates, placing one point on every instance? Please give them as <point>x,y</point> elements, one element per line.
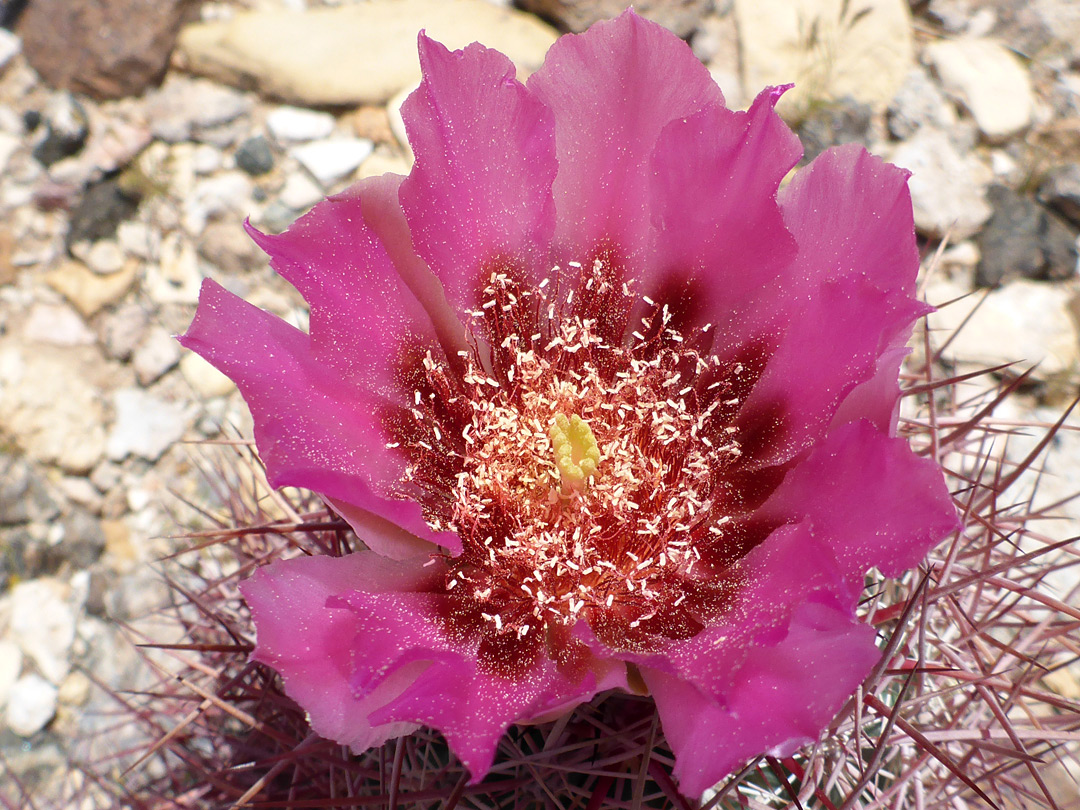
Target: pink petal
<point>479,195</point>
<point>612,90</point>
<point>313,429</point>
<point>873,501</point>
<point>471,707</point>
<point>715,176</point>
<point>313,646</point>
<point>364,316</point>
<point>784,695</point>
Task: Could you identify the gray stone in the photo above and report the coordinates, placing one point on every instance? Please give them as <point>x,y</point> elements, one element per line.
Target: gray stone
<point>43,625</point>
<point>918,103</point>
<point>1023,240</point>
<point>122,329</point>
<point>254,156</point>
<point>947,188</point>
<point>66,129</point>
<point>158,353</point>
<point>300,193</point>
<point>224,194</point>
<point>333,159</point>
<point>353,54</point>
<point>24,496</point>
<point>31,705</point>
<point>987,79</point>
<point>844,121</point>
<point>1060,189</point>
<point>680,16</point>
<point>102,208</point>
<point>184,108</point>
<point>144,425</point>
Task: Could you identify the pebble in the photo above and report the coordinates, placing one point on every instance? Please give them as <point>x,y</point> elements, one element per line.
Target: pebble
<point>1023,240</point>
<point>43,625</point>
<point>987,79</point>
<point>866,60</point>
<point>24,495</point>
<point>87,291</point>
<point>10,45</point>
<point>206,380</point>
<point>254,156</point>
<point>66,129</point>
<point>145,425</point>
<point>139,239</point>
<point>297,124</point>
<point>300,193</point>
<point>919,103</point>
<point>185,108</point>
<point>10,666</point>
<point>122,329</point>
<point>57,325</point>
<point>577,15</point>
<point>158,353</point>
<point>31,705</point>
<point>102,208</point>
<point>333,159</point>
<point>176,278</point>
<point>105,257</point>
<point>224,194</point>
<point>1060,189</point>
<point>352,54</point>
<point>227,246</point>
<point>947,188</point>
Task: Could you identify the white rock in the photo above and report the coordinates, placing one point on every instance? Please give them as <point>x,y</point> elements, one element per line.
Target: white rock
<point>206,159</point>
<point>105,256</point>
<point>175,279</point>
<point>144,426</point>
<point>10,45</point>
<point>865,58</point>
<point>300,192</point>
<point>298,124</point>
<point>9,144</point>
<point>1025,322</point>
<point>224,194</point>
<point>987,79</point>
<point>333,159</point>
<point>31,705</point>
<point>43,625</point>
<point>57,325</point>
<point>204,378</point>
<point>359,53</point>
<point>139,240</point>
<point>948,190</point>
<point>158,353</point>
<point>11,659</point>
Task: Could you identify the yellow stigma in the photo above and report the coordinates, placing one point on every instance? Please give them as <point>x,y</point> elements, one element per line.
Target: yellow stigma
<point>576,453</point>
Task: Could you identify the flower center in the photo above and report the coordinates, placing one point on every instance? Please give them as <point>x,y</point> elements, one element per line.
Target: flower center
<point>576,453</point>
<point>508,456</point>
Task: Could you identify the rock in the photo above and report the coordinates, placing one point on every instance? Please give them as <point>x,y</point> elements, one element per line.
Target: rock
<point>297,124</point>
<point>24,496</point>
<point>206,380</point>
<point>947,189</point>
<point>1023,240</point>
<point>829,48</point>
<point>1060,189</point>
<point>50,409</point>
<point>103,206</point>
<point>106,50</point>
<point>254,156</point>
<point>10,667</point>
<point>57,325</point>
<point>224,194</point>
<point>66,130</point>
<point>145,425</point>
<point>122,329</point>
<point>918,103</point>
<point>31,705</point>
<point>300,193</point>
<point>158,353</point>
<point>176,278</point>
<point>1025,322</point>
<point>105,257</point>
<point>680,16</point>
<point>226,246</point>
<point>988,80</point>
<point>10,45</point>
<point>372,123</point>
<point>844,121</point>
<point>185,108</point>
<point>139,239</point>
<point>351,54</point>
<point>333,159</point>
<point>43,625</point>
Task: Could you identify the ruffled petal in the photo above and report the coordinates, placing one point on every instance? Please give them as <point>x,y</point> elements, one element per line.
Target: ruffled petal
<point>479,195</point>
<point>314,647</point>
<point>715,177</point>
<point>873,501</point>
<point>784,695</point>
<point>313,429</point>
<point>612,90</point>
<point>471,707</point>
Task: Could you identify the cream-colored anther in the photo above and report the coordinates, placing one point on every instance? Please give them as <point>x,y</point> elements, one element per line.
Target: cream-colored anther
<point>576,453</point>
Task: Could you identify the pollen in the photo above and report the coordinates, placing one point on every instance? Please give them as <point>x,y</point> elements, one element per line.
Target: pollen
<point>576,451</point>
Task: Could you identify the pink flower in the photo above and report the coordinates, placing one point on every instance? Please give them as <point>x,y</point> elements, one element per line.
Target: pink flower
<point>609,409</point>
